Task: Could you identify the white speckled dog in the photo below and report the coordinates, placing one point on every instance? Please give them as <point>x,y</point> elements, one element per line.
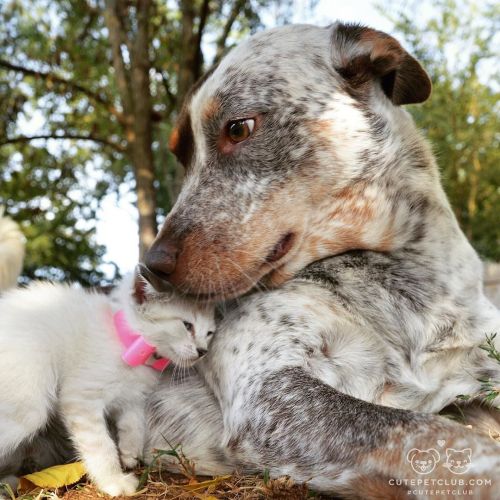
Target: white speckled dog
<point>305,174</point>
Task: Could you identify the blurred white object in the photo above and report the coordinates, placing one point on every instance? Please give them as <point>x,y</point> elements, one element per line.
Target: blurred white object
<point>12,244</point>
<point>492,281</point>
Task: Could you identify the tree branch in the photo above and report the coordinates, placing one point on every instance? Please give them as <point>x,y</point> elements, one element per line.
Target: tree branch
<point>52,77</point>
<point>115,38</point>
<point>171,97</point>
<point>204,14</point>
<point>221,42</point>
<point>187,53</point>
<point>78,137</point>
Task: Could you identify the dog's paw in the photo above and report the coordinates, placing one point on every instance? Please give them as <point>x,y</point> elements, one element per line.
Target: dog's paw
<point>125,484</point>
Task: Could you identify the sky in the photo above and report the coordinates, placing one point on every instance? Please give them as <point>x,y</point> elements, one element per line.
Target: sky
<point>117,224</point>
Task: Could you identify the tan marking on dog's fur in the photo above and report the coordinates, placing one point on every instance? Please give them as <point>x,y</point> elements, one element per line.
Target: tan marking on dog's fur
<point>339,225</point>
<point>374,487</point>
<point>173,141</point>
<point>355,211</point>
<point>232,260</point>
<point>210,109</point>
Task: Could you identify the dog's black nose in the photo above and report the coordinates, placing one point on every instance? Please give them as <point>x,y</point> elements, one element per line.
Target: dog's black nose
<point>201,352</point>
<point>161,258</point>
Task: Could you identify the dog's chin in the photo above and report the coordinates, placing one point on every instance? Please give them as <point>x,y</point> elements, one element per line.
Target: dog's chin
<point>269,279</point>
<point>221,295</point>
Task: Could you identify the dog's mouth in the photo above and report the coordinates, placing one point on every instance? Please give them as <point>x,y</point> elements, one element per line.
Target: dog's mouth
<point>281,248</point>
<point>272,263</point>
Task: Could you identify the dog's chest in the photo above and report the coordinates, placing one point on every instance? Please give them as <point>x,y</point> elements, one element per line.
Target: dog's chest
<point>301,326</point>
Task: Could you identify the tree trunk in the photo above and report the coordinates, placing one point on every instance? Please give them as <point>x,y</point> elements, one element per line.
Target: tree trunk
<point>135,97</point>
<point>188,56</point>
<point>143,130</point>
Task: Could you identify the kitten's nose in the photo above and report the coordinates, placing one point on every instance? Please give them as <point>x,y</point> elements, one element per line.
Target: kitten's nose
<point>201,352</point>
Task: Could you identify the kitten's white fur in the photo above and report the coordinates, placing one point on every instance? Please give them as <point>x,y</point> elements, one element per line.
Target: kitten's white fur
<point>61,354</point>
<point>11,251</point>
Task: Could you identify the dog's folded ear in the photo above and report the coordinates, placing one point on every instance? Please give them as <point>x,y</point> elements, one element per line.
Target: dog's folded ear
<point>362,55</point>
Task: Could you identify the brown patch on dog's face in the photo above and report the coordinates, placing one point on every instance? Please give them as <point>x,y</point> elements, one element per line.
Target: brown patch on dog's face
<point>211,108</point>
<point>228,259</point>
<point>340,223</point>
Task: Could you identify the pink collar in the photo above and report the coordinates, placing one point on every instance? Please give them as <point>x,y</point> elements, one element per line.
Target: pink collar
<point>137,350</point>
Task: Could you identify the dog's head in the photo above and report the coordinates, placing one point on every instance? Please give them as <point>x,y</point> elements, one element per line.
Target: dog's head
<point>280,143</point>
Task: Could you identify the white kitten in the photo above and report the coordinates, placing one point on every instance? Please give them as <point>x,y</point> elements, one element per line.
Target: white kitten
<point>62,350</point>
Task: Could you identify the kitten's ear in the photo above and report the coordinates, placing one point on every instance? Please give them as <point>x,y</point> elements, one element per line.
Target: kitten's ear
<point>157,283</point>
<point>140,285</point>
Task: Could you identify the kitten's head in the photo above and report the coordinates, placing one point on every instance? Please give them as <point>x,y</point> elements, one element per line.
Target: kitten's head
<point>179,328</point>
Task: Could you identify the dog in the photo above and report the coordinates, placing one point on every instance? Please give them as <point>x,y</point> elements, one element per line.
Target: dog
<point>12,245</point>
<point>354,304</point>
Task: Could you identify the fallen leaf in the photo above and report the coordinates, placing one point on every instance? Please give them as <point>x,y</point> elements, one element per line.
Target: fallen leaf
<point>53,477</point>
<point>206,484</point>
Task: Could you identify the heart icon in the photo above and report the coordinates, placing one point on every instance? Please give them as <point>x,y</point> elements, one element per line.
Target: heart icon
<point>441,442</point>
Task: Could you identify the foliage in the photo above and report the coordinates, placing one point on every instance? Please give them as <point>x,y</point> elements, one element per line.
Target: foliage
<point>46,194</point>
<point>455,41</point>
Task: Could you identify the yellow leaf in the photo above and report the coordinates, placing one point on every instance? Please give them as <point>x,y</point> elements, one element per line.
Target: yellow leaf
<point>53,477</point>
<point>205,484</point>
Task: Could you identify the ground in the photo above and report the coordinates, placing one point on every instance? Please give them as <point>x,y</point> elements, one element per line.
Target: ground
<point>163,485</point>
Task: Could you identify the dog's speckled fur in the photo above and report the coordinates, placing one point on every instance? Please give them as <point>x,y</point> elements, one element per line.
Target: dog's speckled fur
<point>392,315</point>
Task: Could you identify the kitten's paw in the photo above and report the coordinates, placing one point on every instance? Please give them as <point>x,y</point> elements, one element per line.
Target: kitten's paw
<point>129,462</point>
<point>126,484</point>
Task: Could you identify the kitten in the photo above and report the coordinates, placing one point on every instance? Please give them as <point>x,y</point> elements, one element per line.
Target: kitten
<point>84,357</point>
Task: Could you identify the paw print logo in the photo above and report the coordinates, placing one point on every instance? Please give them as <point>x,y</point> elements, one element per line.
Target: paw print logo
<point>423,461</point>
<point>458,461</point>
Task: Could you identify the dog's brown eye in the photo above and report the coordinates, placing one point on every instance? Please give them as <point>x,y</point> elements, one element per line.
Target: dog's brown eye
<point>240,130</point>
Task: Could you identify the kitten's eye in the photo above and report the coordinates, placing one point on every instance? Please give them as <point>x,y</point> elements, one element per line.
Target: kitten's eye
<point>189,326</point>
<point>240,130</point>
<point>210,333</point>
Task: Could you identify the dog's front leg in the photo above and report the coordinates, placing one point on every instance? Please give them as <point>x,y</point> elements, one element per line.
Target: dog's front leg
<point>295,424</point>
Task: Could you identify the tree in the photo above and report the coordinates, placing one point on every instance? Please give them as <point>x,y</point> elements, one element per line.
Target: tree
<point>455,43</point>
<point>105,78</point>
